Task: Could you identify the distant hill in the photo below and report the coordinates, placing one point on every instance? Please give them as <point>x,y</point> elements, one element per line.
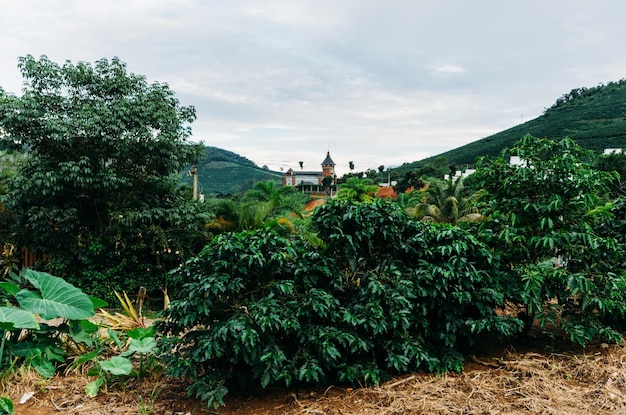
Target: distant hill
<point>593,117</point>
<point>223,172</point>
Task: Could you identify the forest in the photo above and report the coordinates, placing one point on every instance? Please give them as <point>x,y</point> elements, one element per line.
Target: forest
<point>261,290</point>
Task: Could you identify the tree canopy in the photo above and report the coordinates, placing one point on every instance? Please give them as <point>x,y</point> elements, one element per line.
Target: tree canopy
<point>103,147</point>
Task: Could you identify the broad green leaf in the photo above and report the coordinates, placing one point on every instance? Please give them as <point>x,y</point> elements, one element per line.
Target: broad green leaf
<point>117,365</point>
<point>93,387</point>
<point>6,405</point>
<point>57,298</point>
<point>16,318</point>
<point>43,366</point>
<point>83,331</point>
<point>10,287</point>
<point>98,302</point>
<point>142,346</point>
<point>141,332</point>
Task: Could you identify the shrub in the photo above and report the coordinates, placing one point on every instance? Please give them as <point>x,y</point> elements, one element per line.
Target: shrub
<point>384,295</point>
<point>563,264</point>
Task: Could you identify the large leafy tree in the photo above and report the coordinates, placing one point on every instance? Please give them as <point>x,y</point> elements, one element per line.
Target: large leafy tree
<point>9,163</point>
<point>98,192</point>
<point>561,268</point>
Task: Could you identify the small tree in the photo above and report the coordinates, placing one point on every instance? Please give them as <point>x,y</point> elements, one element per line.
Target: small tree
<point>381,169</point>
<point>360,190</point>
<point>615,163</point>
<point>98,192</point>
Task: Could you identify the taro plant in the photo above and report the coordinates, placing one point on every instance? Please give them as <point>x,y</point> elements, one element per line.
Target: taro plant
<point>106,370</point>
<point>140,343</point>
<point>34,320</point>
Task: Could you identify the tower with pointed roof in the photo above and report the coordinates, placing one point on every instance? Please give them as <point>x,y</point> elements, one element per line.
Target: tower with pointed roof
<point>328,166</point>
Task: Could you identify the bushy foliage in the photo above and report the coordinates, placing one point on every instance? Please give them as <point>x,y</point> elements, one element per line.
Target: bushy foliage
<point>31,297</point>
<point>614,162</point>
<point>383,295</point>
<point>559,266</point>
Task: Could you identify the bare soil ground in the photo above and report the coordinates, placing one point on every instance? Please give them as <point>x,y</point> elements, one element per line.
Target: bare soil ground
<point>563,380</point>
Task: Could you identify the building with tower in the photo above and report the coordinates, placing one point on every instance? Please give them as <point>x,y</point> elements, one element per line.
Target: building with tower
<point>313,181</point>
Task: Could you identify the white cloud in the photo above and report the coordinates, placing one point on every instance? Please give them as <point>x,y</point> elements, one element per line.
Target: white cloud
<point>448,69</point>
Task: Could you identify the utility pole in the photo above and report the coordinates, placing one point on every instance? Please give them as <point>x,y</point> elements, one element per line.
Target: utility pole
<point>194,173</point>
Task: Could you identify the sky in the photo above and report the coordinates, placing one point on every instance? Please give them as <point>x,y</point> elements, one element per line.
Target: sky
<point>374,82</point>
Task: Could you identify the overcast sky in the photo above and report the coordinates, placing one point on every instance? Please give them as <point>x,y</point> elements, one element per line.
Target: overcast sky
<point>372,81</point>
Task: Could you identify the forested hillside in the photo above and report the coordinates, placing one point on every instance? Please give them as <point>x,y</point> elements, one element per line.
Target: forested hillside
<point>593,117</point>
<point>224,172</point>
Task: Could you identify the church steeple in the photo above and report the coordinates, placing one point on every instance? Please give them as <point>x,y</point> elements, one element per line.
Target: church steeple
<point>328,166</point>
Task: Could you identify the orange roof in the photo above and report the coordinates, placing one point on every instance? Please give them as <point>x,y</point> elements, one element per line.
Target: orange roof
<point>386,191</point>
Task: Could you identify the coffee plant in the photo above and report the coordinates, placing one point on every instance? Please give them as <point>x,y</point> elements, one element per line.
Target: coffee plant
<point>381,295</point>
<point>561,245</point>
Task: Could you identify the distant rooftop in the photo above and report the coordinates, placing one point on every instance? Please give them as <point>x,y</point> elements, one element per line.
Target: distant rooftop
<point>328,161</point>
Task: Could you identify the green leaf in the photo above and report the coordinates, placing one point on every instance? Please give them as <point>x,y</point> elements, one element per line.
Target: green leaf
<point>98,302</point>
<point>117,365</point>
<point>10,287</point>
<point>142,346</point>
<point>43,366</point>
<point>93,387</point>
<point>16,318</point>
<point>6,405</point>
<point>141,332</point>
<point>58,298</point>
<point>85,358</point>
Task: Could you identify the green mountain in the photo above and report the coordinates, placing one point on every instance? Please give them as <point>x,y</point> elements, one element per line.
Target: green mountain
<point>593,117</point>
<point>223,172</point>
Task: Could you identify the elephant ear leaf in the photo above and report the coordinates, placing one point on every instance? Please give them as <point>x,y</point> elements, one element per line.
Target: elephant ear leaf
<point>16,318</point>
<point>56,298</point>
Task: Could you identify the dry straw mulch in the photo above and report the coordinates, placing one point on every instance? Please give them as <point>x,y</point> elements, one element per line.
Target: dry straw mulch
<point>528,383</point>
<point>589,382</point>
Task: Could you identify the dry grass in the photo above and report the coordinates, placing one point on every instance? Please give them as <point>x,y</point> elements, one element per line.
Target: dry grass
<point>592,382</point>
<point>529,383</point>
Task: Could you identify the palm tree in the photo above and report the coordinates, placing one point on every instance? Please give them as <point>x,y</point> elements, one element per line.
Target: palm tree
<point>266,191</point>
<point>361,190</point>
<point>409,200</point>
<point>448,202</point>
<point>265,202</point>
